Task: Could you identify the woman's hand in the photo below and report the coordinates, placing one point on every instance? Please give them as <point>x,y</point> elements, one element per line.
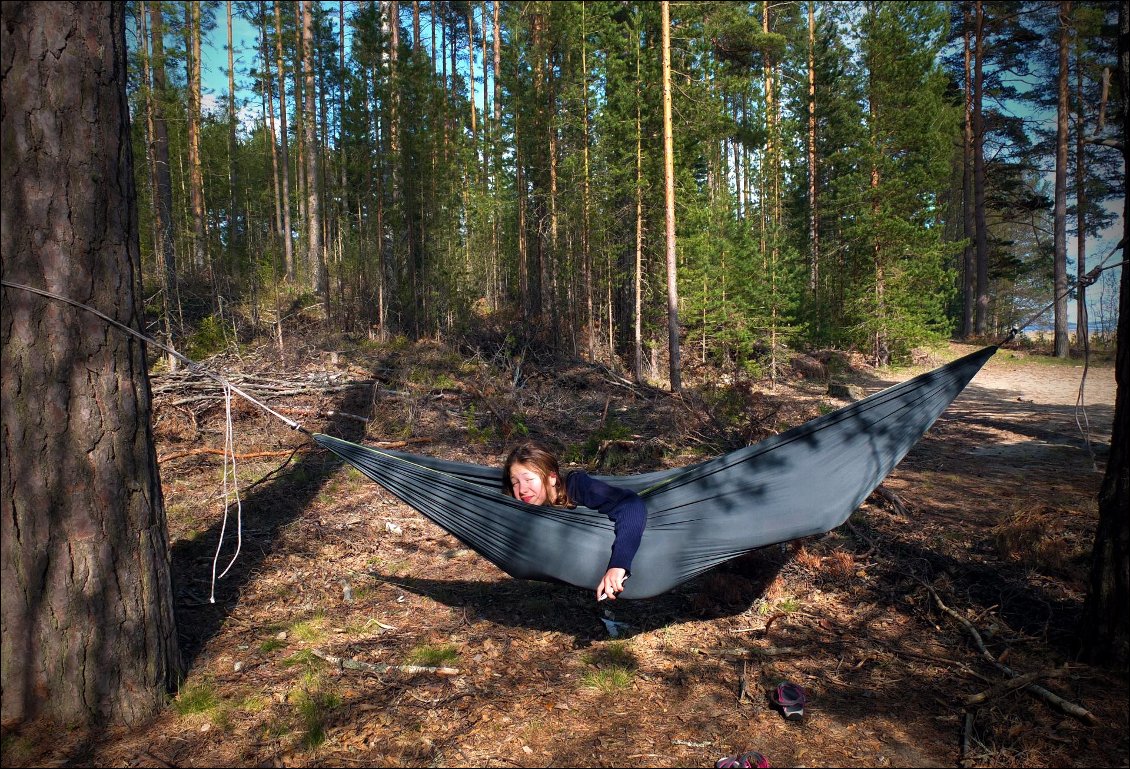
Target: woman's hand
<point>612,584</point>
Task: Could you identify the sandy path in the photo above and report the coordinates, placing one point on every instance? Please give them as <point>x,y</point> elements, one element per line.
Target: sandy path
<point>1046,384</point>
<point>1019,414</point>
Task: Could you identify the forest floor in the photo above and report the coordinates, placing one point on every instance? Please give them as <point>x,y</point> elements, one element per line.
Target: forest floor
<point>992,514</point>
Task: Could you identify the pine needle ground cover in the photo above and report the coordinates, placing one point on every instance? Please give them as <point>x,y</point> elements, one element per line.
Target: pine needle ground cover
<point>333,639</point>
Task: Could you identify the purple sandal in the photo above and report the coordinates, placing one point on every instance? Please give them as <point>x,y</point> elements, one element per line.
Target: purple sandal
<point>790,698</point>
<point>748,759</point>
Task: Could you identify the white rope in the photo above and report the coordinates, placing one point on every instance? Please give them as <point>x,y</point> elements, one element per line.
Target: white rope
<point>229,451</point>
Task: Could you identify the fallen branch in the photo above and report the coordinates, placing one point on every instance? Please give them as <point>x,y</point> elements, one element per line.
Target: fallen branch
<point>1012,684</point>
<point>1067,707</point>
<point>347,663</point>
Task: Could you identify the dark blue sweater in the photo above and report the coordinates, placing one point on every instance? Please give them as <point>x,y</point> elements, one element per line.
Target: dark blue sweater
<point>623,507</point>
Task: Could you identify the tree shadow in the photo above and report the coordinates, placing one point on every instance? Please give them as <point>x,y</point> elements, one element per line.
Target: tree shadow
<point>271,507</point>
<point>726,591</point>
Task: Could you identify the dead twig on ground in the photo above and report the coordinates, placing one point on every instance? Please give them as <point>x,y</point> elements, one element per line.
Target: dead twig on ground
<point>348,663</point>
<point>891,499</point>
<point>1067,707</point>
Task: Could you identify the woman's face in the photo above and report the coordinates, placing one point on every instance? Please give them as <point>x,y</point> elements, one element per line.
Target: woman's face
<point>529,486</point>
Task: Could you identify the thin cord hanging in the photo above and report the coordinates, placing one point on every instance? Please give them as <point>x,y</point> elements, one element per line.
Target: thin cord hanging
<point>229,451</point>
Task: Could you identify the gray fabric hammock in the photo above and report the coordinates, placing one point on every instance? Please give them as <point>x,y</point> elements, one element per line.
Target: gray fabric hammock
<point>805,481</point>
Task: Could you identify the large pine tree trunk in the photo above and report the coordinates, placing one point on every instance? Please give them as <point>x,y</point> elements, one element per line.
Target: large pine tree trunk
<point>86,607</point>
<point>1105,629</point>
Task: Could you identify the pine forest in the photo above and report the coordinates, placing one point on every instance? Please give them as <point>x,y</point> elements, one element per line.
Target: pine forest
<point>767,176</point>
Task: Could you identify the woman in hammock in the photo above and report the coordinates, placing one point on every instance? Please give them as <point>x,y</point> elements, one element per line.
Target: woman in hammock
<point>532,474</point>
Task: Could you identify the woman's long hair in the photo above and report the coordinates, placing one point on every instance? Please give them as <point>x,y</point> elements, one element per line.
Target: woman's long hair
<point>539,458</point>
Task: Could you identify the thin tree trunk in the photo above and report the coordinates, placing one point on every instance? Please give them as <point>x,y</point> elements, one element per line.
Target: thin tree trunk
<point>89,635</point>
<point>316,258</point>
<point>341,108</point>
<point>302,184</point>
<point>1059,265</point>
<point>637,277</point>
<point>288,241</point>
<point>669,199</point>
<point>813,219</point>
<point>470,14</point>
<point>879,340</point>
<point>586,256</point>
<point>163,202</point>
<point>196,177</point>
<point>161,248</point>
<point>1081,330</point>
<point>550,266</point>
<point>524,287</point>
<point>268,93</point>
<point>487,128</point>
<point>495,153</point>
<point>415,25</point>
<point>233,158</point>
<point>982,309</point>
<point>969,261</point>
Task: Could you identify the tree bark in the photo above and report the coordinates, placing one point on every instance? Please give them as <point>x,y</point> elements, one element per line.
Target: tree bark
<point>1081,330</point>
<point>88,633</point>
<point>669,197</point>
<point>981,314</point>
<point>470,14</point>
<point>151,160</point>
<point>316,257</point>
<point>586,256</point>
<point>969,255</point>
<point>233,157</point>
<point>813,218</point>
<point>284,170</point>
<point>268,92</point>
<point>1059,264</point>
<point>1105,629</point>
<point>637,277</point>
<point>196,174</point>
<point>300,180</point>
<point>163,202</point>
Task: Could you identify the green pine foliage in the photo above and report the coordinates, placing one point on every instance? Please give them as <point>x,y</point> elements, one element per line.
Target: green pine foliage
<point>432,226</point>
